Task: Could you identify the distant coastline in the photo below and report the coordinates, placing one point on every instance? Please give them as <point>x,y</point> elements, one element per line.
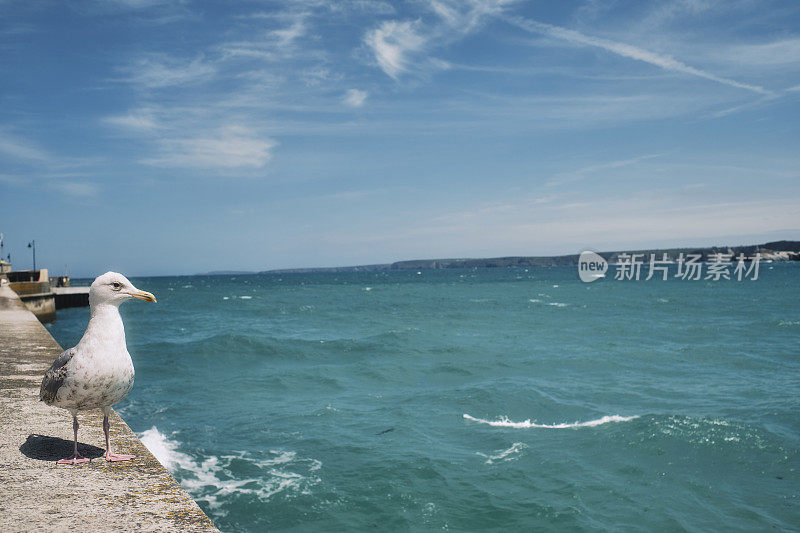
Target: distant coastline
<point>777,250</point>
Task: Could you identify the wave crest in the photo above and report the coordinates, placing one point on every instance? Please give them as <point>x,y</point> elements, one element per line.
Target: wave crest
<point>214,478</point>
<point>506,423</point>
<point>509,454</point>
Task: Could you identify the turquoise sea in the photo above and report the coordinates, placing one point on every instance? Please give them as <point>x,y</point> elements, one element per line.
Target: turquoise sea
<point>495,399</point>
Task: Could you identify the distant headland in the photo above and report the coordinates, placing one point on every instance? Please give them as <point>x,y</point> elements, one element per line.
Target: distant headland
<point>775,251</point>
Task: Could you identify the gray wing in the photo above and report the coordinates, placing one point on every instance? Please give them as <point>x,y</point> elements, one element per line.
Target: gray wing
<point>54,377</point>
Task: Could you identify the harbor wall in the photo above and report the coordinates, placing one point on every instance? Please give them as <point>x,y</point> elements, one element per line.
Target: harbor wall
<point>37,297</point>
<point>35,492</point>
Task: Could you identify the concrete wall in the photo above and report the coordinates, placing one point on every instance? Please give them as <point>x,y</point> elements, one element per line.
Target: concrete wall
<point>37,297</point>
<point>35,493</point>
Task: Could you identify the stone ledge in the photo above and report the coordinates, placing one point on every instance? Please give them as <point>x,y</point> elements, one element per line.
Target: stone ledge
<point>37,494</point>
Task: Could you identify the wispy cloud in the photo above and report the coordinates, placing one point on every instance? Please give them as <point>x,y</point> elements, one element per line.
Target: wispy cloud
<point>158,71</point>
<point>140,4</point>
<point>375,7</point>
<point>142,120</point>
<point>286,36</point>
<point>19,148</point>
<point>317,75</point>
<point>13,179</point>
<point>466,16</point>
<point>37,160</point>
<point>748,106</point>
<point>282,39</point>
<point>392,43</point>
<point>355,97</point>
<point>396,43</point>
<point>581,173</point>
<point>662,61</point>
<point>233,147</point>
<point>776,53</point>
<point>75,188</point>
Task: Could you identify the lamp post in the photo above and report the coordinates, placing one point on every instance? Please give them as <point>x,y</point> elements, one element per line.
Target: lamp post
<point>32,245</point>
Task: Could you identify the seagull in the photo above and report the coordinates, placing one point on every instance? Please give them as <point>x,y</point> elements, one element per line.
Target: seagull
<point>98,371</point>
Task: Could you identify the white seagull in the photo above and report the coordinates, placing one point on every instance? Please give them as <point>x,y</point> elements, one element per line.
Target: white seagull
<point>98,371</point>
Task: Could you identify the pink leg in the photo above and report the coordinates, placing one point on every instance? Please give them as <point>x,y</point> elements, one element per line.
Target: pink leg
<point>76,457</point>
<point>110,456</point>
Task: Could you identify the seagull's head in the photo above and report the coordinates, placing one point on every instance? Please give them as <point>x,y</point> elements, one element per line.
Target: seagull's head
<point>112,288</point>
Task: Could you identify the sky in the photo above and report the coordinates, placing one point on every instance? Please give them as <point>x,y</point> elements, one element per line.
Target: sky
<point>175,137</point>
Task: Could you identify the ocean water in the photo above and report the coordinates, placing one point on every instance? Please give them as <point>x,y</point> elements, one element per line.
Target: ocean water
<point>501,399</point>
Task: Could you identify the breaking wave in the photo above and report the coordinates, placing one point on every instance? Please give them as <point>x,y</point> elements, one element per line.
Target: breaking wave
<point>504,422</point>
<point>213,479</point>
<point>508,454</point>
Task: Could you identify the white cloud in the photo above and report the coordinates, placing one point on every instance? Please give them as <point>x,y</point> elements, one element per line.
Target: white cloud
<point>11,179</point>
<point>139,4</point>
<point>29,153</point>
<point>162,71</point>
<point>581,173</point>
<point>18,148</point>
<point>665,62</point>
<point>392,43</point>
<point>286,36</point>
<point>611,223</point>
<point>376,7</point>
<point>233,147</point>
<point>355,97</point>
<point>745,107</point>
<point>74,188</point>
<point>777,53</point>
<point>316,75</point>
<point>444,10</point>
<point>464,17</point>
<point>277,42</point>
<point>137,121</point>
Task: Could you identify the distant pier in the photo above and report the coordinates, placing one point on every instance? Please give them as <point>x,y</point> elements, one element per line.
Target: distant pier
<point>35,493</point>
<point>71,297</point>
<point>43,295</point>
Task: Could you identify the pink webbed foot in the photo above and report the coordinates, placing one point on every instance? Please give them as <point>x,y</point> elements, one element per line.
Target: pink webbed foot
<point>113,457</point>
<point>76,460</point>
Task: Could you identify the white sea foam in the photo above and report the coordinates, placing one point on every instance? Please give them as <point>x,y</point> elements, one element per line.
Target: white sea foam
<point>212,478</point>
<point>538,301</point>
<point>506,423</point>
<point>508,454</point>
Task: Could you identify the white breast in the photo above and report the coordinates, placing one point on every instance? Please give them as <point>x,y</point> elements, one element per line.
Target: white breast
<point>100,373</point>
<point>95,381</point>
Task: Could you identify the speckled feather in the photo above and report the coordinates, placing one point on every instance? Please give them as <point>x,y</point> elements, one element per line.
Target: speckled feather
<point>54,377</point>
<point>98,372</point>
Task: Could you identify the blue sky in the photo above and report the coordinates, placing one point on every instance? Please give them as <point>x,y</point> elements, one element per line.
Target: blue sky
<point>160,137</point>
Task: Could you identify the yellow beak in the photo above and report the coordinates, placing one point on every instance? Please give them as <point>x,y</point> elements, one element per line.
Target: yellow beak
<point>143,295</point>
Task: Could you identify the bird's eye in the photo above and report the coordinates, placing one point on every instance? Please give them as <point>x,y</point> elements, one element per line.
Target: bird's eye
<point>116,285</point>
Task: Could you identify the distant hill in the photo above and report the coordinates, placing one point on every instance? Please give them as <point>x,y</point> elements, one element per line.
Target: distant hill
<point>770,250</point>
<point>227,273</point>
<point>358,268</point>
